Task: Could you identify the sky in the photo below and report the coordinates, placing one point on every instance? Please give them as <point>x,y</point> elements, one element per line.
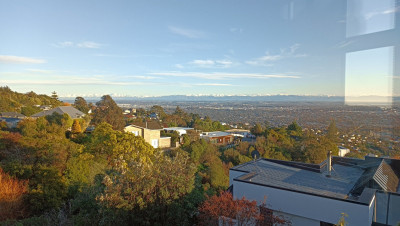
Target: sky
<point>171,47</point>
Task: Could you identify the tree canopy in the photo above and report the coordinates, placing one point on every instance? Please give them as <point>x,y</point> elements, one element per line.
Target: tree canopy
<point>108,111</point>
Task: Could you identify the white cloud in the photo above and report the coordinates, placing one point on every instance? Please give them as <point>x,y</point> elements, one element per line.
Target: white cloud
<point>66,44</point>
<point>90,45</point>
<point>236,30</point>
<point>212,63</point>
<point>213,84</point>
<point>86,44</point>
<point>180,66</point>
<point>268,58</point>
<point>225,63</point>
<point>189,33</point>
<point>20,60</point>
<point>40,71</point>
<point>141,77</point>
<point>220,75</point>
<point>84,81</point>
<point>202,63</point>
<point>370,15</point>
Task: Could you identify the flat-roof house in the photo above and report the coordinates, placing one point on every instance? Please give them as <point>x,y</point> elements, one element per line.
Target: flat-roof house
<point>217,137</point>
<point>239,132</point>
<point>150,133</point>
<point>179,130</point>
<point>71,111</point>
<point>310,194</point>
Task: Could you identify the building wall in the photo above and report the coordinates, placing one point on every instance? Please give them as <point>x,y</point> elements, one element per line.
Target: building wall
<point>233,174</point>
<point>220,140</point>
<point>150,135</point>
<point>131,129</point>
<point>297,220</point>
<point>304,205</point>
<point>164,142</point>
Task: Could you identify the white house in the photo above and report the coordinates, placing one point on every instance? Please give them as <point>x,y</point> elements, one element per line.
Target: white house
<point>179,130</point>
<point>343,151</point>
<point>311,194</point>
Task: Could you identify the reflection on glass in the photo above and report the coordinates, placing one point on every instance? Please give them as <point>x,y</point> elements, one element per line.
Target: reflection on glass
<point>369,76</point>
<point>368,16</point>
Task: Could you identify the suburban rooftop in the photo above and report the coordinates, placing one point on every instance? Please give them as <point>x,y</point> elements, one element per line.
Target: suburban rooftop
<point>348,179</point>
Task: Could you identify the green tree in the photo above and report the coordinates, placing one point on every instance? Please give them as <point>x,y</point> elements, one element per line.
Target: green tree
<point>313,149</point>
<point>30,110</point>
<point>257,130</point>
<point>81,104</point>
<point>145,191</point>
<point>54,95</point>
<point>158,110</point>
<point>295,130</point>
<point>332,132</point>
<point>108,111</point>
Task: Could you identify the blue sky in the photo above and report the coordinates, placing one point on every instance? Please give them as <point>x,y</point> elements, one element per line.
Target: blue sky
<point>169,47</point>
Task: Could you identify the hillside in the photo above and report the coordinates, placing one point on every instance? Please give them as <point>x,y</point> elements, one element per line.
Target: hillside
<point>11,101</point>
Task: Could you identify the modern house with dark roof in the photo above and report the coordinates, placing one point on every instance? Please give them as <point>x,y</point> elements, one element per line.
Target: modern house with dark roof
<point>71,111</point>
<point>367,190</point>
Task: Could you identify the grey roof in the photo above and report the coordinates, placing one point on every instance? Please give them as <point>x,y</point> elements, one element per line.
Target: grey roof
<point>12,115</point>
<point>71,111</point>
<point>288,177</point>
<point>216,134</point>
<point>350,178</point>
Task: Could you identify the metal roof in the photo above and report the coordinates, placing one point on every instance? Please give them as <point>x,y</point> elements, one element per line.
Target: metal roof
<point>12,115</point>
<point>216,134</point>
<point>288,177</point>
<point>71,111</point>
<point>349,180</point>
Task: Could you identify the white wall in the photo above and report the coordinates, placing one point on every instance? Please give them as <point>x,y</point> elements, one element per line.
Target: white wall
<point>304,205</point>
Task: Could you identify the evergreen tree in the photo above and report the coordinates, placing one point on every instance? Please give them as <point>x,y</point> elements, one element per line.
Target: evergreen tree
<point>332,132</point>
<point>81,104</point>
<point>54,95</point>
<point>108,111</point>
<point>295,130</point>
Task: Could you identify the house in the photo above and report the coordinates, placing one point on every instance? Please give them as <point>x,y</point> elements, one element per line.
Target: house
<point>239,132</point>
<point>179,130</point>
<point>11,118</point>
<point>71,111</point>
<point>343,151</point>
<point>311,194</point>
<point>150,133</point>
<point>217,137</point>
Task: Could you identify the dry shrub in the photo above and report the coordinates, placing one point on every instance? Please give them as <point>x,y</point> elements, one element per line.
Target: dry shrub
<point>11,197</point>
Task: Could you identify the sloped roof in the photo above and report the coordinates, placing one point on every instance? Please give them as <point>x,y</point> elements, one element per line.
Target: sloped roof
<point>12,115</point>
<point>149,125</point>
<point>71,111</point>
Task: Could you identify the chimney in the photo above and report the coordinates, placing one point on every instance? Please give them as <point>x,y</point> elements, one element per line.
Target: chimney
<point>329,163</point>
